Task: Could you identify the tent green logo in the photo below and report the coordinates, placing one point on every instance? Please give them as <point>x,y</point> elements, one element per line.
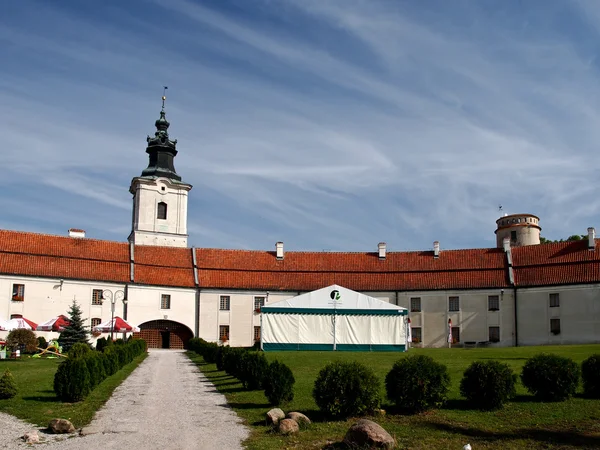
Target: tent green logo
<point>335,294</point>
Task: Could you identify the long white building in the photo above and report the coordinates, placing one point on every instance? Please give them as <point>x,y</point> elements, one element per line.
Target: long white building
<point>519,293</point>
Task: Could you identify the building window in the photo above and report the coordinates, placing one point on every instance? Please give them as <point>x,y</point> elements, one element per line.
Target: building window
<point>513,235</point>
<point>162,211</point>
<point>18,292</point>
<point>415,304</point>
<point>97,297</point>
<point>453,304</point>
<point>256,334</point>
<point>493,303</point>
<point>224,333</point>
<point>455,335</point>
<point>16,316</point>
<point>259,302</point>
<point>554,300</point>
<point>494,334</point>
<point>555,326</point>
<point>165,301</point>
<point>96,321</point>
<point>224,303</point>
<point>417,336</point>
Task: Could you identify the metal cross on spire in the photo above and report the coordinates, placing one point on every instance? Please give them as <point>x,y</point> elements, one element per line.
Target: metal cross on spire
<point>164,97</point>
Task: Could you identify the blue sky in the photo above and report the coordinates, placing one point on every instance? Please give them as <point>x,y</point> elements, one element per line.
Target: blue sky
<point>329,125</point>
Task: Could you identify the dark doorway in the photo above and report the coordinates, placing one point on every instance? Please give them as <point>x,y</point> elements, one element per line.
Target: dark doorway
<point>164,334</point>
<point>166,339</point>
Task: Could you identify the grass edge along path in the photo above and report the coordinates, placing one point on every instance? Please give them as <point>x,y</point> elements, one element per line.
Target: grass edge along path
<point>523,423</point>
<point>37,403</point>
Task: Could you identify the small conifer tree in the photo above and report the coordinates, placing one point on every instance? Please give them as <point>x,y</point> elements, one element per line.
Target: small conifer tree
<point>8,388</point>
<point>76,331</point>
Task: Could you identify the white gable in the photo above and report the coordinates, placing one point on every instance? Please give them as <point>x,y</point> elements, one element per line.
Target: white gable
<point>334,297</point>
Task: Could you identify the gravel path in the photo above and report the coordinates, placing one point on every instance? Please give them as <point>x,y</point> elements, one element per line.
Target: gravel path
<point>166,403</point>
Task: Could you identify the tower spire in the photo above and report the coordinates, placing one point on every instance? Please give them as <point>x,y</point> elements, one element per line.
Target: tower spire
<point>161,149</point>
<point>164,97</point>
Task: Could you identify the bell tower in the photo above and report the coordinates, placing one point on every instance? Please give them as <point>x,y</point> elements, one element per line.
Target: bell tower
<point>159,196</point>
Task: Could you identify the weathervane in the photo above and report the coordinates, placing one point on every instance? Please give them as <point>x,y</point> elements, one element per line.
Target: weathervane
<point>500,208</point>
<point>164,97</point>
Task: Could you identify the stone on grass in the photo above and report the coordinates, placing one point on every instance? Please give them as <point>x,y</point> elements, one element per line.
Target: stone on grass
<point>274,416</point>
<point>288,426</point>
<point>60,426</point>
<point>31,437</point>
<point>299,418</point>
<point>366,433</point>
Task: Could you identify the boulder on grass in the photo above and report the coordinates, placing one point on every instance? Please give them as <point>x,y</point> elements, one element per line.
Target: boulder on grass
<point>60,426</point>
<point>288,426</point>
<point>274,416</point>
<point>299,418</point>
<point>367,434</point>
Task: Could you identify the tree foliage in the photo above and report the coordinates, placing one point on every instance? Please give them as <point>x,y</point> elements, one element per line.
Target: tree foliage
<point>22,337</point>
<point>76,331</point>
<point>572,238</point>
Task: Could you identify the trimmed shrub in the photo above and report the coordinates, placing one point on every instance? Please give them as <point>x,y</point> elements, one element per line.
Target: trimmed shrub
<point>113,360</point>
<point>95,368</point>
<point>221,357</point>
<point>417,383</point>
<point>72,380</point>
<point>8,387</point>
<point>253,368</point>
<point>590,373</point>
<point>550,377</point>
<point>344,389</point>
<point>278,383</point>
<point>42,343</point>
<point>487,385</point>
<point>101,344</point>
<point>79,350</point>
<point>232,361</point>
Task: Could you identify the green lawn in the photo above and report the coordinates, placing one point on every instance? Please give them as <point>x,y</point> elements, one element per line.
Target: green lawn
<point>36,402</point>
<point>523,423</point>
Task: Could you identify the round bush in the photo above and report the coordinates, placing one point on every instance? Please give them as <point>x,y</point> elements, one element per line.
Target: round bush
<point>345,389</point>
<point>79,350</point>
<point>8,387</point>
<point>417,383</point>
<point>590,373</point>
<point>550,377</point>
<point>278,383</point>
<point>21,338</point>
<point>487,385</point>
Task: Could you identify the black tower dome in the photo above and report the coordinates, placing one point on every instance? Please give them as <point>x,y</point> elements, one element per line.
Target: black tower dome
<point>161,151</point>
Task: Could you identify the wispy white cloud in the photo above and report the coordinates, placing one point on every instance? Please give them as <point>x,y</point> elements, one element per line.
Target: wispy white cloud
<point>329,125</point>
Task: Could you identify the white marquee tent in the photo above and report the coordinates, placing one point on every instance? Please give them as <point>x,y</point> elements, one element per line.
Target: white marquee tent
<point>333,318</point>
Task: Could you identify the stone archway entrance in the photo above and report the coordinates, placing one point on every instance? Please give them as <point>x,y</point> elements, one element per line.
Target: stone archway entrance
<point>164,334</point>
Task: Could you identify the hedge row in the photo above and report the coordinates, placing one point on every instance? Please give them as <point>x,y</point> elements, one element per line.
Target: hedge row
<point>85,368</point>
<point>250,367</point>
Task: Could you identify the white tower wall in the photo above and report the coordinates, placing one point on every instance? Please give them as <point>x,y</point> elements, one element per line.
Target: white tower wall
<point>147,228</point>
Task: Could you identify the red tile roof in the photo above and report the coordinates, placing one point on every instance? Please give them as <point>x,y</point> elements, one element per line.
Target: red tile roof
<point>42,255</point>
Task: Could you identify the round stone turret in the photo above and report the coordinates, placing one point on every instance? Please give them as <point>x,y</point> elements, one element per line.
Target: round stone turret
<point>521,229</point>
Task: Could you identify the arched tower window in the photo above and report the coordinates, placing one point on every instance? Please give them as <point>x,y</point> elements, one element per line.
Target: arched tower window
<point>162,211</point>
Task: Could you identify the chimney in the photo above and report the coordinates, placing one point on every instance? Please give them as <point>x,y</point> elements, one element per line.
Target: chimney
<point>279,250</point>
<point>591,238</point>
<point>76,233</point>
<point>436,249</point>
<point>506,244</point>
<point>382,249</point>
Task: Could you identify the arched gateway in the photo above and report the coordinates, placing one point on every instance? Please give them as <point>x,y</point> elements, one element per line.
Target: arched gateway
<point>164,334</point>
